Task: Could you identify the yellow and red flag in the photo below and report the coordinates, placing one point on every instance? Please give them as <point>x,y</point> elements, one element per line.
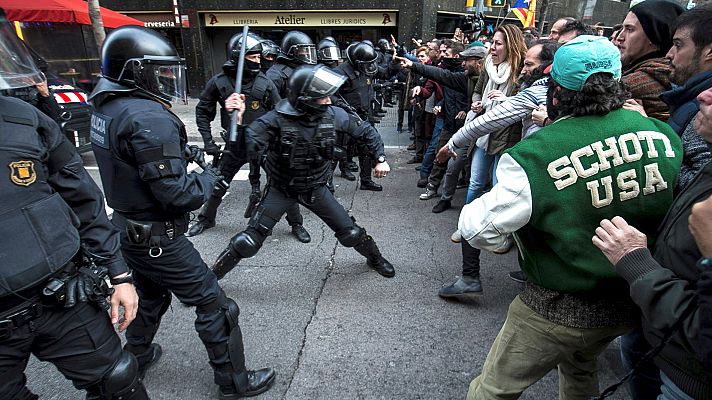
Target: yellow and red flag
<point>525,10</point>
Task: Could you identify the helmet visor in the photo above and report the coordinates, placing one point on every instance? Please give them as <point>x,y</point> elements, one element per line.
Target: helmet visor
<point>171,82</point>
<point>329,54</point>
<point>17,69</point>
<point>305,53</point>
<point>325,83</point>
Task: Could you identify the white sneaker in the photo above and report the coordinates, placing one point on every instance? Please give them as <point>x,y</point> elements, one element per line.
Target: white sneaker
<point>429,194</point>
<point>506,246</point>
<point>456,237</point>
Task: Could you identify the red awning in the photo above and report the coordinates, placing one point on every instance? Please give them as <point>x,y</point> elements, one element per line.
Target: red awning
<point>73,11</point>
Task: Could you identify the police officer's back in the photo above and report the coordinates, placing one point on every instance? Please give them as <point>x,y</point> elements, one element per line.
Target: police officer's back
<point>140,149</point>
<point>52,298</point>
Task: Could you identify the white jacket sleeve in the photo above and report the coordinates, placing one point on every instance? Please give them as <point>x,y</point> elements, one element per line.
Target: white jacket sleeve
<point>486,221</point>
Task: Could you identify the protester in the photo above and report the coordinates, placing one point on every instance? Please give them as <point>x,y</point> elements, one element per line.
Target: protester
<point>691,58</point>
<point>643,42</point>
<point>549,195</point>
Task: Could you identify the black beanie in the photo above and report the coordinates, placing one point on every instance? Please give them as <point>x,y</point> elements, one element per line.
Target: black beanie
<point>657,18</point>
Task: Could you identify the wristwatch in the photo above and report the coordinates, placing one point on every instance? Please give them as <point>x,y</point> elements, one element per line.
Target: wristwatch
<point>704,262</point>
<point>128,278</point>
<point>381,159</point>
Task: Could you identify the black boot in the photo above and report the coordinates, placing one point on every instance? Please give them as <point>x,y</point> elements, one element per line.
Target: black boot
<point>370,185</point>
<point>441,206</point>
<point>199,227</point>
<point>368,248</point>
<point>301,233</point>
<point>227,260</point>
<point>348,175</point>
<point>245,384</point>
<point>146,359</point>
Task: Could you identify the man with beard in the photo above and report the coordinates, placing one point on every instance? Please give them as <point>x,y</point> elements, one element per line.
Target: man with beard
<point>516,109</point>
<point>645,39</point>
<point>549,194</point>
<point>691,58</point>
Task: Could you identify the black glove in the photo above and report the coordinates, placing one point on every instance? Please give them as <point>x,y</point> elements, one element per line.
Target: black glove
<point>211,148</point>
<point>214,175</point>
<point>88,285</point>
<point>195,154</point>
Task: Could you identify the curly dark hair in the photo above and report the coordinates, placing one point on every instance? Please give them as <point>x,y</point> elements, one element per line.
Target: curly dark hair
<point>600,95</point>
<point>579,26</point>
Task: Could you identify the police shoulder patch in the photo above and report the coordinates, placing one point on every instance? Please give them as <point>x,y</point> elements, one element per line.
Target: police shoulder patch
<point>22,173</point>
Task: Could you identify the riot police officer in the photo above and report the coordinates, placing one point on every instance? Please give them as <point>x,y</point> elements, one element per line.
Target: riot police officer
<point>359,71</point>
<point>296,49</point>
<point>328,52</point>
<point>52,302</point>
<point>139,146</point>
<point>262,97</point>
<point>299,138</point>
<point>270,51</point>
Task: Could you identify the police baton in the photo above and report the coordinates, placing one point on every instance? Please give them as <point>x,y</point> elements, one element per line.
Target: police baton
<point>232,138</point>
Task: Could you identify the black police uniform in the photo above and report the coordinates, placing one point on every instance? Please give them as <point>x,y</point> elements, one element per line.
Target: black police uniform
<point>261,96</point>
<point>299,149</point>
<point>358,92</point>
<point>139,146</point>
<point>48,206</point>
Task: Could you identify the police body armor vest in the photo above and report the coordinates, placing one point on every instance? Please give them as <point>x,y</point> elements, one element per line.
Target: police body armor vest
<point>255,93</point>
<point>38,228</point>
<point>297,162</point>
<point>131,195</point>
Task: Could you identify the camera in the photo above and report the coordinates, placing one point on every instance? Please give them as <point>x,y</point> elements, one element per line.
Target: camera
<point>472,23</point>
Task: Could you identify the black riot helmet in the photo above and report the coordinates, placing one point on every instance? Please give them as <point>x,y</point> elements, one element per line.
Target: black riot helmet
<point>363,58</point>
<point>309,83</point>
<point>138,58</point>
<point>270,51</point>
<point>298,47</point>
<point>385,45</point>
<point>368,42</point>
<point>17,67</point>
<point>327,52</point>
<point>253,45</point>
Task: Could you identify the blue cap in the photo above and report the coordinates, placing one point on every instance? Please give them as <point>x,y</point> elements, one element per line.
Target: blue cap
<point>582,57</point>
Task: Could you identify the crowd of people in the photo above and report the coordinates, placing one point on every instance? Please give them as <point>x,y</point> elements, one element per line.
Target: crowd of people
<point>569,137</point>
<point>588,154</point>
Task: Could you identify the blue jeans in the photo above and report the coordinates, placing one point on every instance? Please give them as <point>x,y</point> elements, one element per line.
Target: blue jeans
<point>670,391</point>
<point>480,171</point>
<point>429,156</point>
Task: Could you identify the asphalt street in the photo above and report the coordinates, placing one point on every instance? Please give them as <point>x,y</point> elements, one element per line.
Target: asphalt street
<point>330,326</point>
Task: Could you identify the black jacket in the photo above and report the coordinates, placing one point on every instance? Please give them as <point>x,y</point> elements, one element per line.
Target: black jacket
<point>214,94</point>
<point>663,286</point>
<point>455,92</point>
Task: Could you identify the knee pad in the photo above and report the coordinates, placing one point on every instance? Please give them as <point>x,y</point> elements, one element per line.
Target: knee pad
<point>245,245</point>
<point>232,312</point>
<point>122,382</point>
<point>350,237</point>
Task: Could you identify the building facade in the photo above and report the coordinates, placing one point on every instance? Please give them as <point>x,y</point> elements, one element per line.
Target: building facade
<point>200,29</point>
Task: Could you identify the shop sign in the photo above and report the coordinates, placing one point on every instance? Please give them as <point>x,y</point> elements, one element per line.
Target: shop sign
<point>155,20</point>
<point>300,19</point>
